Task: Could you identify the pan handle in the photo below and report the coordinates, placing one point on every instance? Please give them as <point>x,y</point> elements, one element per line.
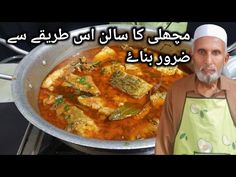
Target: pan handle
<point>6,60</point>
<point>12,47</point>
<point>7,77</point>
<point>16,49</point>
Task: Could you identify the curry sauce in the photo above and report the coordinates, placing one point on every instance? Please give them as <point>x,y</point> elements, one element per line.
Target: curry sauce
<point>95,94</point>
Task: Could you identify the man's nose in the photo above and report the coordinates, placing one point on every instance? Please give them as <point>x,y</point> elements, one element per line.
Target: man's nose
<point>208,59</point>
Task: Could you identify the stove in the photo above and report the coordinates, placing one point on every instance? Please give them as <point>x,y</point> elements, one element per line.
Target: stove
<point>36,142</point>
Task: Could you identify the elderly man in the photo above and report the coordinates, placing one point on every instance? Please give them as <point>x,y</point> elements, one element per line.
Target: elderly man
<point>199,114</point>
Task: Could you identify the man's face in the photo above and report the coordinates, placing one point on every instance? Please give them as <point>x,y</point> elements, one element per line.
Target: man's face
<point>209,56</point>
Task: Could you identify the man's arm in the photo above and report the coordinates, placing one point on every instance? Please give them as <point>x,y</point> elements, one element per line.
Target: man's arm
<point>165,135</point>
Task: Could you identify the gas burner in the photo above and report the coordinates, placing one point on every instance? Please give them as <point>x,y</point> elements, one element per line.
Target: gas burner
<point>36,142</point>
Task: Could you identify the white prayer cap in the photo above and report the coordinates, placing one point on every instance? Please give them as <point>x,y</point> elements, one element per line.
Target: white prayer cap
<point>210,30</point>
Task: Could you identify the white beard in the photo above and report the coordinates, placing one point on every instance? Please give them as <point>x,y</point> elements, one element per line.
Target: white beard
<point>208,78</point>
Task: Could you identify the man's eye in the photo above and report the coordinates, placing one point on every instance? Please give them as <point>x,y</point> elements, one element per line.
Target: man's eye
<point>201,52</point>
<point>216,52</point>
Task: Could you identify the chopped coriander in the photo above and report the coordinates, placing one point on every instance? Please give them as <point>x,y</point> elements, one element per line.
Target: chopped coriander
<point>59,100</point>
<point>82,80</point>
<point>67,108</point>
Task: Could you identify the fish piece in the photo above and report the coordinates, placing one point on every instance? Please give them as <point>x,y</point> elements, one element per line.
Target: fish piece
<point>78,122</point>
<point>51,78</point>
<point>133,69</point>
<point>104,54</point>
<point>92,102</point>
<point>158,98</point>
<point>96,103</point>
<point>82,83</point>
<point>58,103</point>
<point>49,100</point>
<point>110,69</point>
<point>106,111</point>
<point>132,85</point>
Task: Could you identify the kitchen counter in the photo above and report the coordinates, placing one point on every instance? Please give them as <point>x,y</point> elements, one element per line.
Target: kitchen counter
<point>12,123</point>
<point>12,128</point>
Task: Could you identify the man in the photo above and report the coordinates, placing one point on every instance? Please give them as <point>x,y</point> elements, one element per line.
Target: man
<point>199,114</point>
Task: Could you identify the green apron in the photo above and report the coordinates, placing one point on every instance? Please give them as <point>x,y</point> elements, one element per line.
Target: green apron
<point>206,127</point>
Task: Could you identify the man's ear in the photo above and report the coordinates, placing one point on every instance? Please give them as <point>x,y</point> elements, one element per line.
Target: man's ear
<point>226,58</point>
